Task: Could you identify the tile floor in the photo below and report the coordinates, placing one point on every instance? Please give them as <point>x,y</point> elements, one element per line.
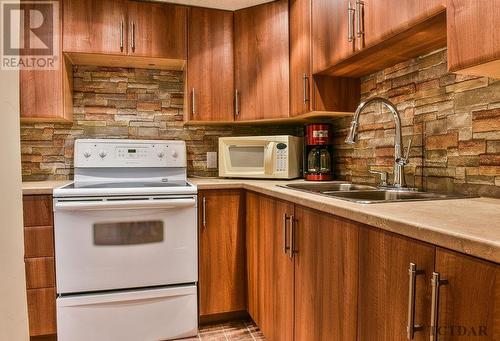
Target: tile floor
<point>244,330</point>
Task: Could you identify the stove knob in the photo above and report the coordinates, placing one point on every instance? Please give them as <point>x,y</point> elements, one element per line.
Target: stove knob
<point>102,154</point>
<point>174,153</point>
<point>87,155</point>
<point>161,155</point>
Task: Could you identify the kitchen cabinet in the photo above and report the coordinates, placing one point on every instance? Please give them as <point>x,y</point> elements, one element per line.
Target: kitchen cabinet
<point>261,62</point>
<point>473,37</point>
<point>157,30</point>
<point>222,271</point>
<point>326,282</point>
<point>467,296</point>
<point>45,95</point>
<point>39,264</point>
<point>124,33</point>
<point>210,74</point>
<point>384,263</point>
<point>95,26</point>
<point>270,265</point>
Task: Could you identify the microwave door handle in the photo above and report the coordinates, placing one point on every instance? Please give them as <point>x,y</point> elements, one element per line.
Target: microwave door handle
<point>123,204</point>
<point>268,158</point>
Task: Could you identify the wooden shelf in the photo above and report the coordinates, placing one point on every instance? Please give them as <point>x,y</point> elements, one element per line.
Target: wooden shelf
<point>125,61</point>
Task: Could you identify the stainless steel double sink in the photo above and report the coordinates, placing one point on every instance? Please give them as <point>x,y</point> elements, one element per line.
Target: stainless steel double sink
<point>365,194</point>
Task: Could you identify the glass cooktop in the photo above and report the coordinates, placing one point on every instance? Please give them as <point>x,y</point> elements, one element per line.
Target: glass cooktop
<point>125,185</point>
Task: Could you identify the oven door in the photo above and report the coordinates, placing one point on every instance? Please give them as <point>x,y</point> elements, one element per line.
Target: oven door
<point>124,242</point>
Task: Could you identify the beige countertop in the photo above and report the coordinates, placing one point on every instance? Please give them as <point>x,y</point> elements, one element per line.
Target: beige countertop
<point>470,226</point>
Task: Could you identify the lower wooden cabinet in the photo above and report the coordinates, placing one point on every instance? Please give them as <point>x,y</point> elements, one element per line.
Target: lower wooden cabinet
<point>222,270</point>
<point>384,262</point>
<point>270,265</point>
<point>39,264</point>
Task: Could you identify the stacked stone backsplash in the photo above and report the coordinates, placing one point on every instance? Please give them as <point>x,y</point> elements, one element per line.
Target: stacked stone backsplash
<point>124,103</point>
<point>454,121</point>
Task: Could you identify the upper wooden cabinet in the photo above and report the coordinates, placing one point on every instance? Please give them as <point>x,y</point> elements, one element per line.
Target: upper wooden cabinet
<point>473,37</point>
<point>384,282</point>
<point>383,18</point>
<point>210,74</point>
<point>467,297</point>
<point>222,283</point>
<point>270,266</point>
<point>261,62</point>
<point>157,30</point>
<point>95,26</point>
<point>96,31</point>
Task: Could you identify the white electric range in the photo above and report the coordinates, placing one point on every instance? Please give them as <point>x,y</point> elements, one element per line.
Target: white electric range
<point>126,243</point>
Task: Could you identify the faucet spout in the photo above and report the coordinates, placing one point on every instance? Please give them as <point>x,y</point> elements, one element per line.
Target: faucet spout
<point>399,160</point>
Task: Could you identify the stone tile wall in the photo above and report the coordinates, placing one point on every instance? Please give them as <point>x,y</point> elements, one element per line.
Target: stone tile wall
<point>454,121</point>
<point>124,103</point>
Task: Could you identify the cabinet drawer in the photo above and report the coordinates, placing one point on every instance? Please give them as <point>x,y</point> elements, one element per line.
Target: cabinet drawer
<point>40,273</point>
<point>38,242</point>
<point>42,311</point>
<point>37,210</point>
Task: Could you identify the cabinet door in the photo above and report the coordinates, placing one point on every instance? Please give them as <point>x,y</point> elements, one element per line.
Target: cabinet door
<point>222,280</point>
<point>326,270</point>
<point>270,269</point>
<point>383,18</point>
<point>384,260</point>
<point>329,33</point>
<point>157,30</point>
<point>95,26</point>
<point>469,305</point>
<point>42,311</point>
<point>473,36</point>
<point>300,56</point>
<point>261,61</point>
<point>210,65</point>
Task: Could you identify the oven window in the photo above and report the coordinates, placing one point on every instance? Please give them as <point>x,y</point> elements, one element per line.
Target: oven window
<point>246,156</point>
<point>128,233</point>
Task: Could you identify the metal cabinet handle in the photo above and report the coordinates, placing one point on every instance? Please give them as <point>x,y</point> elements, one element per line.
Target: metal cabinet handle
<point>285,245</point>
<point>350,23</point>
<point>292,250</point>
<point>359,15</point>
<point>193,102</point>
<point>204,212</point>
<point>436,283</point>
<point>133,36</point>
<point>412,327</point>
<point>305,89</point>
<point>121,35</point>
<point>236,102</point>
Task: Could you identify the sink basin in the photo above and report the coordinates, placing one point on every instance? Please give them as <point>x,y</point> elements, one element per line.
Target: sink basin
<point>328,187</point>
<point>364,194</point>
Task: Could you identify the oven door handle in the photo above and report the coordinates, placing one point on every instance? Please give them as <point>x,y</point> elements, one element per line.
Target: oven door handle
<point>124,204</point>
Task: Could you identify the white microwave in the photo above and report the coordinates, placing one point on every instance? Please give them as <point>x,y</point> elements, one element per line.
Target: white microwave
<point>263,157</point>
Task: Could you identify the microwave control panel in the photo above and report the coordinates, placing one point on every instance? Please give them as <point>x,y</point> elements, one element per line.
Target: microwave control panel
<point>281,157</point>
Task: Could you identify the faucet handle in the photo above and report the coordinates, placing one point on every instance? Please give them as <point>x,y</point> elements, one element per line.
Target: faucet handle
<point>383,177</point>
<point>405,160</point>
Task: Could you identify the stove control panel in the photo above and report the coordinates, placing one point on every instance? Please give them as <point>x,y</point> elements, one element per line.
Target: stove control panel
<point>96,153</point>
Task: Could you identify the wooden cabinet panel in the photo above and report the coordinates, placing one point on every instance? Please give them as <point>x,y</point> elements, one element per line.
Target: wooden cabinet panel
<point>222,273</point>
<point>210,65</point>
<point>38,241</point>
<point>300,57</point>
<point>42,311</point>
<point>326,277</point>
<point>383,18</point>
<point>40,272</point>
<point>95,26</point>
<point>157,30</point>
<point>469,305</point>
<point>270,269</point>
<point>473,37</point>
<point>37,210</point>
<point>384,260</point>
<point>262,61</point>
